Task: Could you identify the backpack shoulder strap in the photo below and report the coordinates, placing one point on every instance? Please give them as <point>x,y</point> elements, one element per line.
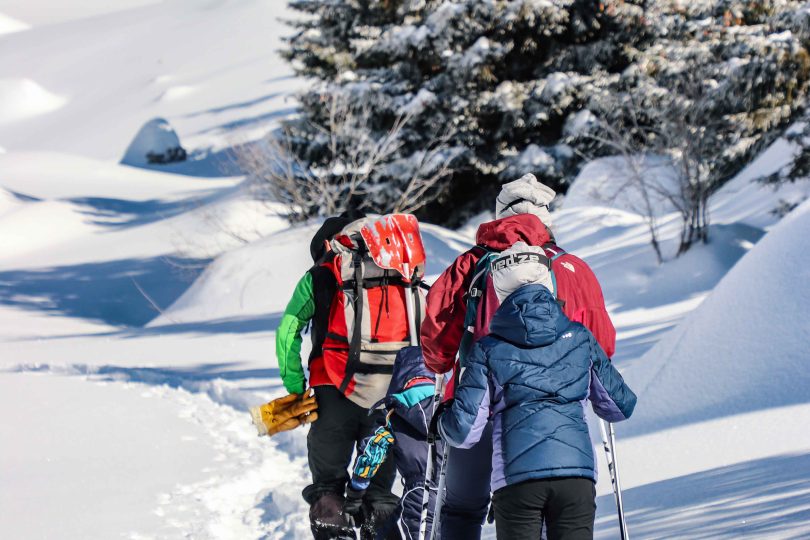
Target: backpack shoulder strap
<point>355,339</point>
<point>480,271</point>
<point>554,252</point>
<point>475,293</point>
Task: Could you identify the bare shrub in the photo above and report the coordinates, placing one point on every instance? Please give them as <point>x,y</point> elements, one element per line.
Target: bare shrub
<point>356,167</point>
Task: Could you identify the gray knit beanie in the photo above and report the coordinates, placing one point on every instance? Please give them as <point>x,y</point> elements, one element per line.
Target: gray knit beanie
<point>526,195</point>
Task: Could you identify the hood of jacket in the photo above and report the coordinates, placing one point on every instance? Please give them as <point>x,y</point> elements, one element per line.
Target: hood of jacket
<point>502,233</point>
<point>530,316</point>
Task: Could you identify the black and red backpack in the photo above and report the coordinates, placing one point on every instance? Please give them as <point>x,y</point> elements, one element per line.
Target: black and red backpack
<point>378,264</point>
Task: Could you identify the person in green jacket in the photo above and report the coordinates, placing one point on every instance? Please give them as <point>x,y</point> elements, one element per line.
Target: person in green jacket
<point>341,425</point>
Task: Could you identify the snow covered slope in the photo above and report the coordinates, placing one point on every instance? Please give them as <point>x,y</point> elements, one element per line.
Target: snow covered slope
<point>210,68</point>
<point>745,347</point>
<point>636,184</point>
<point>719,447</point>
<point>24,98</point>
<point>138,305</point>
<point>9,25</point>
<point>45,12</point>
<point>715,348</point>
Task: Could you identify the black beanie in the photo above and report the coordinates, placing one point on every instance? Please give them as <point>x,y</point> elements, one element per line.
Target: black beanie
<point>328,230</point>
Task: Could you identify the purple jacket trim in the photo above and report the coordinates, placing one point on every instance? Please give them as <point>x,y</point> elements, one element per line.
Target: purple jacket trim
<point>479,423</point>
<point>603,404</point>
<point>498,464</point>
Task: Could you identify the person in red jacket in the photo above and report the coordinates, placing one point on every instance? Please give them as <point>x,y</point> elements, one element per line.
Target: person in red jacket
<point>523,216</point>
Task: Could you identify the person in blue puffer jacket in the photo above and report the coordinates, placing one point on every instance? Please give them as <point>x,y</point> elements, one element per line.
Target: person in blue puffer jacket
<point>532,375</point>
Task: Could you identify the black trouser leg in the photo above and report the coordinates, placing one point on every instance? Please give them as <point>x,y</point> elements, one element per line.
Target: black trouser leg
<point>571,509</point>
<point>467,489</point>
<point>341,426</point>
<point>519,511</point>
<point>568,504</point>
<point>330,443</point>
<point>411,452</point>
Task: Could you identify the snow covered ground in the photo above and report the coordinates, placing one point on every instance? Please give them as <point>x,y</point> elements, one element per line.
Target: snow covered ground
<point>137,305</point>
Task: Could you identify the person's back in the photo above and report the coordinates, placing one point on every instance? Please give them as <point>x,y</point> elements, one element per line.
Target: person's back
<point>534,372</point>
<point>575,285</point>
<point>542,368</point>
<point>522,209</point>
<point>341,423</point>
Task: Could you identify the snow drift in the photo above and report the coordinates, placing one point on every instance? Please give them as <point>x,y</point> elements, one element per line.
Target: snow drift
<point>259,278</point>
<point>23,98</point>
<point>7,201</point>
<point>745,348</point>
<point>252,280</point>
<point>9,25</point>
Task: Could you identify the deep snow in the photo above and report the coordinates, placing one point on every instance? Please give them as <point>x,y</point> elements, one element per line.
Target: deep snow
<point>24,98</point>
<point>138,306</point>
<point>9,25</point>
<point>745,348</point>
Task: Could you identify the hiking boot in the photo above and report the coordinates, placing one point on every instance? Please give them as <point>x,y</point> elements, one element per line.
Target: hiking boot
<point>381,525</point>
<point>328,522</point>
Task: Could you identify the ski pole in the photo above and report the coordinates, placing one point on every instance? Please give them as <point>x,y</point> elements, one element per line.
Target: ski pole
<point>429,466</point>
<point>619,502</point>
<point>609,444</point>
<point>437,507</point>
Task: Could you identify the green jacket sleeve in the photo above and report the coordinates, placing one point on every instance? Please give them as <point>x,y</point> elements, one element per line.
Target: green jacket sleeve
<point>300,310</point>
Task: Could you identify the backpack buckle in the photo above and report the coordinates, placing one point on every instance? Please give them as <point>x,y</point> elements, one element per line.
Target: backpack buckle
<point>475,292</point>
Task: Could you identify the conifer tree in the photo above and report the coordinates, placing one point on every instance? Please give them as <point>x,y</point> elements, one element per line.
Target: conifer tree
<point>450,99</point>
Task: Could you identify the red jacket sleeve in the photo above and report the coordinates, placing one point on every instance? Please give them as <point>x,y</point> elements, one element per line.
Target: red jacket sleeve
<point>443,326</point>
<point>584,303</point>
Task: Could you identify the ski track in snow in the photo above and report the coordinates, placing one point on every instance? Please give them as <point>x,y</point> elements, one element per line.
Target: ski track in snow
<point>253,485</point>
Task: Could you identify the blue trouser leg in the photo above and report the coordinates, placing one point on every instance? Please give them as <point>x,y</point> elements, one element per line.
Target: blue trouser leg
<point>410,453</point>
<point>467,491</point>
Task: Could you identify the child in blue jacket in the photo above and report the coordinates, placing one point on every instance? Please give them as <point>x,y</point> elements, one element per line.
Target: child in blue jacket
<point>403,438</point>
<point>532,375</point>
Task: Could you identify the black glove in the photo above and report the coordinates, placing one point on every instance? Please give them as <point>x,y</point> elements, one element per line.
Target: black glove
<point>433,431</point>
<point>353,501</point>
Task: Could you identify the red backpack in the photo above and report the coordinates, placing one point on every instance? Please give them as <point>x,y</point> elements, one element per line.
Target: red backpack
<point>368,320</point>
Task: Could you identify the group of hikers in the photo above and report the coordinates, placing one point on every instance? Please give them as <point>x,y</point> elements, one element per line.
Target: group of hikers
<point>474,391</point>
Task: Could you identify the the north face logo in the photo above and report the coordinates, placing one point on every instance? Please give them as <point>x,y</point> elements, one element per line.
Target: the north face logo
<point>567,335</point>
<point>569,266</point>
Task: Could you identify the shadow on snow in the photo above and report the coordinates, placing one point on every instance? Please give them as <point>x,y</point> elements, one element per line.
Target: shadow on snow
<point>765,498</point>
<point>111,291</point>
<point>119,213</point>
<point>211,379</point>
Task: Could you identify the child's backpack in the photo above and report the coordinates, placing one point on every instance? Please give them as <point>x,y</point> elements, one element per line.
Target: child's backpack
<point>482,302</point>
<point>410,393</point>
<point>368,320</point>
<point>409,398</point>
